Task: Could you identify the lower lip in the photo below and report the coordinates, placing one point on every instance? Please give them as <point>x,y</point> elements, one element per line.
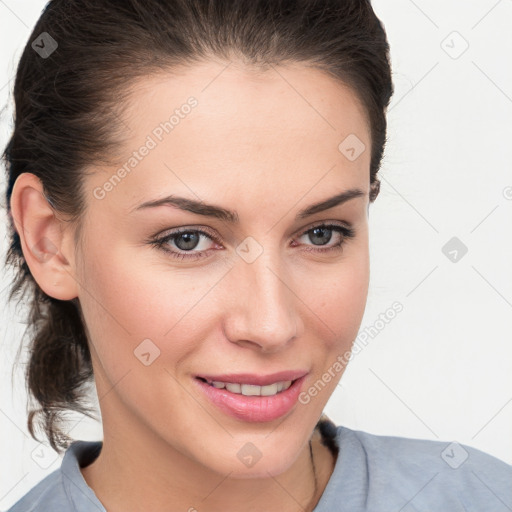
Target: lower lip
<point>253,408</point>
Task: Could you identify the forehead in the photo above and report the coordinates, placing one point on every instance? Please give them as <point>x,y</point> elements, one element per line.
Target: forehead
<point>216,127</point>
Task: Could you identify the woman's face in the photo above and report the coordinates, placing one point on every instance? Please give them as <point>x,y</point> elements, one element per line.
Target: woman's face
<point>260,293</point>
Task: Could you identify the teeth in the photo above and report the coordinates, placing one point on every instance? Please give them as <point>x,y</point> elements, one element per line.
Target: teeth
<point>234,388</point>
<point>251,389</point>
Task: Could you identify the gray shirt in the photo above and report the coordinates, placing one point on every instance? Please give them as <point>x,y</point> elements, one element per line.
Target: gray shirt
<point>372,473</point>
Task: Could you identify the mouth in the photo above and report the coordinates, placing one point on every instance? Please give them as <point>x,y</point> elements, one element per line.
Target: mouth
<point>250,389</point>
<point>252,402</point>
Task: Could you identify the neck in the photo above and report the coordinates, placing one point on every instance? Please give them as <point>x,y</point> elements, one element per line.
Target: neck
<point>172,481</point>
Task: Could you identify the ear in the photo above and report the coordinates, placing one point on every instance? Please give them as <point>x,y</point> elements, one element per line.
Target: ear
<point>46,241</point>
<point>374,189</point>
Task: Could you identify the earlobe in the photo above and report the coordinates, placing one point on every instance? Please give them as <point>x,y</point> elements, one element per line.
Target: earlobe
<point>44,239</point>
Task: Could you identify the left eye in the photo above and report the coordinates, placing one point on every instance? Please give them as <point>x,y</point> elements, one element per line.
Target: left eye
<point>323,234</point>
<point>187,240</point>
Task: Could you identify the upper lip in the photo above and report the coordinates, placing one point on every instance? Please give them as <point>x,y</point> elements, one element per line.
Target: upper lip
<point>257,380</point>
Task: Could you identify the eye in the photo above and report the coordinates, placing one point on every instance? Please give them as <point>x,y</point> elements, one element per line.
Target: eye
<point>322,234</point>
<point>187,241</point>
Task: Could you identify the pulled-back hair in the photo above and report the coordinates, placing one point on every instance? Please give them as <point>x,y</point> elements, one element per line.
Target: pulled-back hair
<point>66,120</point>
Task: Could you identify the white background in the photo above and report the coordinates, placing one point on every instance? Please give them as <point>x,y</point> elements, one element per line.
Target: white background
<point>442,368</point>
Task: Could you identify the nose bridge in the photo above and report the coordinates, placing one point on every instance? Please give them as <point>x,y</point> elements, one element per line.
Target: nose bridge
<point>264,311</point>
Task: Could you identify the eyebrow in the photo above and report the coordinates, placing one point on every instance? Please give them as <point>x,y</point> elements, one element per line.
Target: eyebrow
<point>210,210</point>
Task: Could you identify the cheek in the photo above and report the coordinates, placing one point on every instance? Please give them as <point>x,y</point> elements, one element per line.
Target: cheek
<point>348,300</point>
<point>126,301</point>
<point>337,295</point>
<point>337,310</point>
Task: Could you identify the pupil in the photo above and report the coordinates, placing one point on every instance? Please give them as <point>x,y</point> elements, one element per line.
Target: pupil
<point>191,240</point>
<point>325,238</point>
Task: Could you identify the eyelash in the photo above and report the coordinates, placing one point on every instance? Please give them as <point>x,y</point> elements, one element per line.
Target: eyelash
<point>160,243</point>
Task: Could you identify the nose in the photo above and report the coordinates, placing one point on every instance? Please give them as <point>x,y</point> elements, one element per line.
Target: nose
<point>264,312</point>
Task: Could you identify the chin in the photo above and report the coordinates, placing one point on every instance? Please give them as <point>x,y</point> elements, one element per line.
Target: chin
<point>249,461</point>
<point>259,470</point>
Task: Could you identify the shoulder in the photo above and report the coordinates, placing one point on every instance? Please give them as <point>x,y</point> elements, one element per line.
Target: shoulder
<point>65,489</point>
<point>47,494</point>
<point>400,451</point>
<point>419,474</point>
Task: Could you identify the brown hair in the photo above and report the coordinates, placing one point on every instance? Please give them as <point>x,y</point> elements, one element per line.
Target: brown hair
<point>66,120</point>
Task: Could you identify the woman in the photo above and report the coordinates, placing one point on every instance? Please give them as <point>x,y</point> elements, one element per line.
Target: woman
<point>189,184</point>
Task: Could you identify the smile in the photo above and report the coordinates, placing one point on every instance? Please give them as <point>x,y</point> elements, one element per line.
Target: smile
<point>250,402</point>
<point>251,389</point>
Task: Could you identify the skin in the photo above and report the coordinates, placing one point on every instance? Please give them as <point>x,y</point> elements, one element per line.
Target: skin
<point>256,145</point>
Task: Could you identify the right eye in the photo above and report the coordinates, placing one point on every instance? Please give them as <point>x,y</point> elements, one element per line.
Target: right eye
<point>184,241</point>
